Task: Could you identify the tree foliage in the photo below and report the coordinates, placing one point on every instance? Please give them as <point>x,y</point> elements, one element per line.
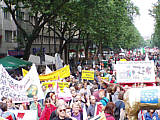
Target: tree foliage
<point>156,14</point>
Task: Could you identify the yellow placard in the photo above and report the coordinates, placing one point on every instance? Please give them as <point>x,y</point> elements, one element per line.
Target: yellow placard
<point>105,78</point>
<point>88,75</point>
<point>61,85</point>
<point>61,73</point>
<point>123,60</point>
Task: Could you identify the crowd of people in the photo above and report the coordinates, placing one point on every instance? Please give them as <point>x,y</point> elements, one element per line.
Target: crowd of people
<point>89,97</point>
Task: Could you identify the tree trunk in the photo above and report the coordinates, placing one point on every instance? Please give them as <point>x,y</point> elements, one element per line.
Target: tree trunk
<point>27,48</point>
<point>66,54</point>
<point>87,47</point>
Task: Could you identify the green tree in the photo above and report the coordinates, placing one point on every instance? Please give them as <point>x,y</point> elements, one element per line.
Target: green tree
<point>42,12</point>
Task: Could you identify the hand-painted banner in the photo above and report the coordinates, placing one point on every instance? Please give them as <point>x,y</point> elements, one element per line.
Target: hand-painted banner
<point>61,85</point>
<point>88,75</point>
<point>135,71</point>
<point>61,73</point>
<point>20,91</point>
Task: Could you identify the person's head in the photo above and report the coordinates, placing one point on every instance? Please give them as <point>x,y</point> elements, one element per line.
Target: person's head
<point>117,88</point>
<point>80,86</point>
<point>85,85</point>
<point>109,108</point>
<point>35,99</point>
<point>73,93</point>
<point>120,95</point>
<point>101,93</point>
<point>76,108</point>
<point>113,78</point>
<point>61,111</point>
<point>61,102</point>
<point>53,97</point>
<point>68,112</point>
<point>47,102</point>
<point>43,88</point>
<point>4,107</point>
<point>9,102</point>
<point>4,99</point>
<point>92,99</point>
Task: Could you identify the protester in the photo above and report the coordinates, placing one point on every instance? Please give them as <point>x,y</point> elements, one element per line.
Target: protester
<point>35,105</point>
<point>104,100</point>
<point>151,115</point>
<point>6,114</point>
<point>120,107</point>
<point>49,108</point>
<point>76,111</point>
<point>109,111</point>
<point>92,108</point>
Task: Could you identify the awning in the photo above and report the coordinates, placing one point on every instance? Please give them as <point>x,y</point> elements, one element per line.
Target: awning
<point>10,62</point>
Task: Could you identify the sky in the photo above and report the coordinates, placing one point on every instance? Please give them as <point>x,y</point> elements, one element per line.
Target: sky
<point>144,22</point>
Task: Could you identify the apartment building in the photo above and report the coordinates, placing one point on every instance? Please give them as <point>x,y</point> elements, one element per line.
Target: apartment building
<point>8,31</point>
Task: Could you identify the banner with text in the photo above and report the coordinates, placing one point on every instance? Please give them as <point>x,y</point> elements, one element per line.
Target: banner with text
<point>88,75</point>
<point>135,71</point>
<point>20,91</point>
<point>58,74</point>
<point>61,85</point>
<point>25,114</point>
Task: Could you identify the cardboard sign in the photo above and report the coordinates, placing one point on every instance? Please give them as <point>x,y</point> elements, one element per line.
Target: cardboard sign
<point>88,75</point>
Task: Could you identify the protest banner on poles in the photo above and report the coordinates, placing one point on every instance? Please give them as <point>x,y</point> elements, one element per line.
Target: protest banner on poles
<point>88,75</point>
<point>61,73</point>
<point>20,91</point>
<point>135,71</point>
<point>61,85</point>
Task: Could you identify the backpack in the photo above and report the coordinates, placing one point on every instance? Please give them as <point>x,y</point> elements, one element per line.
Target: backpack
<point>117,111</point>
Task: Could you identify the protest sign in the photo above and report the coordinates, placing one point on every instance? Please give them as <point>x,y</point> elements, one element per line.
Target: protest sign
<point>88,75</point>
<point>61,85</point>
<point>61,73</point>
<point>135,71</point>
<point>20,91</point>
<point>25,114</point>
<point>99,117</point>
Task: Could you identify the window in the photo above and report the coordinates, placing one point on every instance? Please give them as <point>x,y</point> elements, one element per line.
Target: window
<point>6,14</point>
<point>8,36</point>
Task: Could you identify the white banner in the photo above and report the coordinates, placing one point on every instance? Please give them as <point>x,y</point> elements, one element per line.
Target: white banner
<point>135,71</point>
<point>20,91</point>
<point>25,114</point>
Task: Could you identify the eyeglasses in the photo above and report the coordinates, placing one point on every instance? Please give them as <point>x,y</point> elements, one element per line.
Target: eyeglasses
<point>64,110</point>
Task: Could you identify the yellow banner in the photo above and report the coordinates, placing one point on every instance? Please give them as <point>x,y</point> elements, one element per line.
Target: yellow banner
<point>105,78</point>
<point>61,85</point>
<point>88,75</point>
<point>61,73</point>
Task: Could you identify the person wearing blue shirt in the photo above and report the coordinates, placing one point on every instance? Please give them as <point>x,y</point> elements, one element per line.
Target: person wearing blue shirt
<point>151,115</point>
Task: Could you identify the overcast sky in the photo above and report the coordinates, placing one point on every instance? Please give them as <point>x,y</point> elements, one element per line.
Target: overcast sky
<point>144,22</point>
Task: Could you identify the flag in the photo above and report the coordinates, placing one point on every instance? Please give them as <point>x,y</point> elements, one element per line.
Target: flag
<point>48,70</point>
